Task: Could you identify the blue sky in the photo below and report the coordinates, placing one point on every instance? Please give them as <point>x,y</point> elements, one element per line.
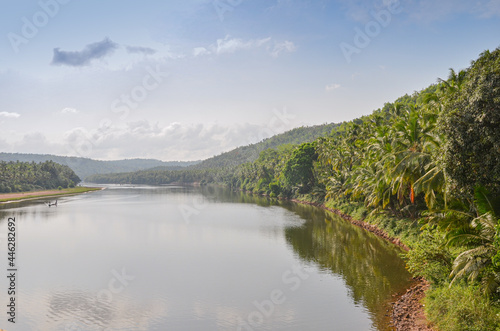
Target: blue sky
<point>185,80</point>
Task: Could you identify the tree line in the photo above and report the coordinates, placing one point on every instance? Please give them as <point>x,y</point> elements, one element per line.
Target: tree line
<point>30,176</point>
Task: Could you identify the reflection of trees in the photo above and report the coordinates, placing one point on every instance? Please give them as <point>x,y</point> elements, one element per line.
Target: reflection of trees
<point>221,194</point>
<point>370,267</point>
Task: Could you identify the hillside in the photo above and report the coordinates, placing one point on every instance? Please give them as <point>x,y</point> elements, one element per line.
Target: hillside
<point>85,167</point>
<point>218,167</point>
<point>251,152</point>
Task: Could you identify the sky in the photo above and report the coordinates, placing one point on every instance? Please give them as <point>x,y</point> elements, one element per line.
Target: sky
<point>189,79</point>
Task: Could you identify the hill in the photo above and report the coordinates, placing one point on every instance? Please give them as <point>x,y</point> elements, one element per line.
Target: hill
<point>251,152</point>
<point>85,167</point>
<point>216,168</point>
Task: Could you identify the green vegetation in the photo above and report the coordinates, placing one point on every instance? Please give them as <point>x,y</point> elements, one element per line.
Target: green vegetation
<point>25,176</point>
<point>85,167</point>
<point>461,307</point>
<point>425,168</point>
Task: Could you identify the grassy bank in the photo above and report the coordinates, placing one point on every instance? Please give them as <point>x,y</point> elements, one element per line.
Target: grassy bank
<point>404,229</point>
<point>13,197</point>
<point>462,306</point>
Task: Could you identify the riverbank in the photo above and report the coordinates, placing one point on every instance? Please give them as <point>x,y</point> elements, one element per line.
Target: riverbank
<point>367,226</point>
<point>23,196</point>
<point>407,310</point>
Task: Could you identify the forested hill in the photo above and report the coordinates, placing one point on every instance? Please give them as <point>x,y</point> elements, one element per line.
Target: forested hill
<point>215,169</point>
<point>85,167</point>
<point>29,176</point>
<point>251,152</point>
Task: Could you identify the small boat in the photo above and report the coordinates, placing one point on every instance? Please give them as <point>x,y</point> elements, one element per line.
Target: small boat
<point>50,204</point>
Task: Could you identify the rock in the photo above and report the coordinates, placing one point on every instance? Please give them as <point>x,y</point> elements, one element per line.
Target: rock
<point>408,313</point>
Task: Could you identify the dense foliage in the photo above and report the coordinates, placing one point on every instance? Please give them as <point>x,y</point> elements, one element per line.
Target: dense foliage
<point>472,125</point>
<point>26,176</point>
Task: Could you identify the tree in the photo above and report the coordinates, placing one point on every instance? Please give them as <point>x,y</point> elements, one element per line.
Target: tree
<point>479,237</point>
<point>298,171</point>
<point>471,122</point>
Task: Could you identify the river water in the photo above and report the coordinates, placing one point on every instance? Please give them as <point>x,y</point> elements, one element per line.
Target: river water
<point>186,258</point>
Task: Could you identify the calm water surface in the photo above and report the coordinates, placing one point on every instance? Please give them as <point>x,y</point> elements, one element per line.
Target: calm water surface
<point>176,258</point>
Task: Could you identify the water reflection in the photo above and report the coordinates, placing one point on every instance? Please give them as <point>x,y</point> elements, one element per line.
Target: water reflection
<point>204,274</point>
<point>370,267</point>
<point>82,306</point>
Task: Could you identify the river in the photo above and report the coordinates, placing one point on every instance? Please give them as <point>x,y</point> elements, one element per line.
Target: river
<point>191,258</point>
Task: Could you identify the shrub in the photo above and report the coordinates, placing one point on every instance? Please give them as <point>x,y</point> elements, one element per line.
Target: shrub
<point>461,308</point>
<point>429,259</point>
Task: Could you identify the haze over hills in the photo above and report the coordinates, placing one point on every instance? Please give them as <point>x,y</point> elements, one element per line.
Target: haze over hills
<point>220,165</point>
<point>251,152</point>
<point>85,167</point>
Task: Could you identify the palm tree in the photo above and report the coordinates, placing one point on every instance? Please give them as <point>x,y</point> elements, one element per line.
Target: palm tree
<point>478,239</point>
<point>454,82</point>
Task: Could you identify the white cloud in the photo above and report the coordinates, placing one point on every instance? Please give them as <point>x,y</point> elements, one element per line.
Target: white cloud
<point>175,141</point>
<point>199,51</point>
<point>286,46</point>
<point>332,87</point>
<point>33,142</point>
<point>9,115</point>
<point>231,45</point>
<point>69,111</point>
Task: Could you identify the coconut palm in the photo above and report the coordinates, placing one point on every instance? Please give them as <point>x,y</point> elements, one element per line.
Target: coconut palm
<point>478,239</point>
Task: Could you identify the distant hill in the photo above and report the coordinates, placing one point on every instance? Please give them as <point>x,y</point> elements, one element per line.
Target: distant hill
<point>217,167</point>
<point>85,167</point>
<point>250,153</point>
